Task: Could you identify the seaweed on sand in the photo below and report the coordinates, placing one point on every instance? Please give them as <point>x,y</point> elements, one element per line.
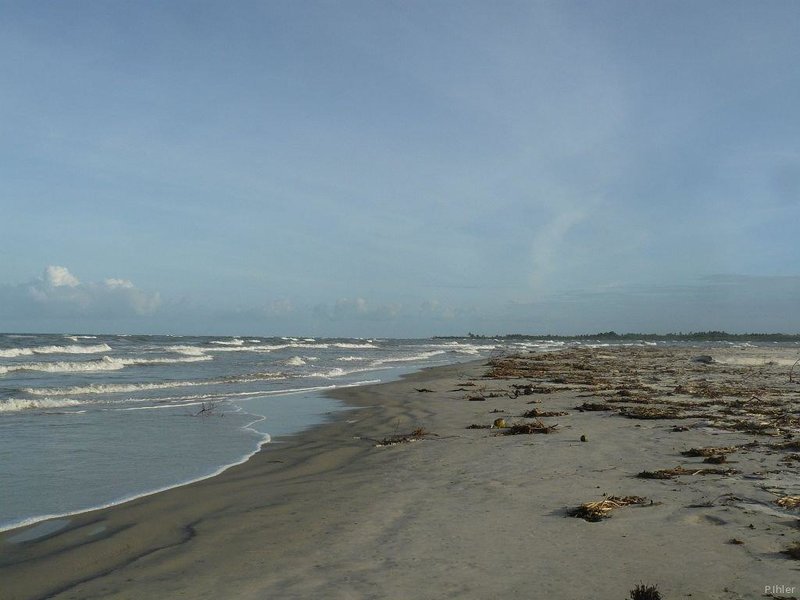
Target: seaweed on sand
<point>709,451</point>
<point>652,412</point>
<point>596,511</point>
<point>417,434</point>
<point>528,428</point>
<point>790,445</point>
<point>535,412</point>
<point>788,501</point>
<point>676,471</point>
<point>645,592</point>
<point>594,406</point>
<point>792,551</point>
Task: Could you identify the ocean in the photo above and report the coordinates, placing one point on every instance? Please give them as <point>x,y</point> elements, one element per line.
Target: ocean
<point>88,421</point>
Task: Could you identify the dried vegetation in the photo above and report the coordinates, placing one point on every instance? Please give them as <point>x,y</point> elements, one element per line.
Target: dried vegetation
<point>596,511</point>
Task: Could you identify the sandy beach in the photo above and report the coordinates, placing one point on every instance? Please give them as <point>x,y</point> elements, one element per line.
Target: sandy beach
<point>689,456</point>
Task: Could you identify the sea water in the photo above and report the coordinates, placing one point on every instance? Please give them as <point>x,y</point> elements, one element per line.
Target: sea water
<point>89,421</point>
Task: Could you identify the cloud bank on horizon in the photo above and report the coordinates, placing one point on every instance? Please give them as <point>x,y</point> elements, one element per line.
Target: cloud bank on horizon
<point>400,168</point>
<point>58,301</point>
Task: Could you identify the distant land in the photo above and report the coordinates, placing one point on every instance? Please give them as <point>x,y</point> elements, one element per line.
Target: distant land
<point>701,336</point>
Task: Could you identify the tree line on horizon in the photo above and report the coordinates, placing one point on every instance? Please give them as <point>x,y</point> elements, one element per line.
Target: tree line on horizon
<point>613,335</point>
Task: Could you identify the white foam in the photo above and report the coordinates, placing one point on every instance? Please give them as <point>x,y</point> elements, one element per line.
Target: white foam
<point>414,357</point>
<point>233,342</point>
<point>354,346</point>
<point>295,361</point>
<point>352,358</point>
<point>18,404</point>
<point>111,388</point>
<point>188,350</point>
<point>106,363</point>
<point>72,349</point>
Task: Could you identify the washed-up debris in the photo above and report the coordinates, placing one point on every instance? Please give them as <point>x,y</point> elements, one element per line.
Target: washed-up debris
<point>788,501</point>
<point>792,551</point>
<point>790,445</point>
<point>528,428</point>
<point>535,413</point>
<point>417,434</point>
<point>595,511</point>
<point>593,406</point>
<point>476,426</point>
<point>709,451</point>
<point>735,541</point>
<point>645,592</point>
<point>704,359</point>
<point>653,412</point>
<point>676,471</point>
<point>533,389</point>
<point>750,426</point>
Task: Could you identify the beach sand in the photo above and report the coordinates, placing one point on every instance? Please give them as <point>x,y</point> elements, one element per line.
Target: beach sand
<point>472,513</point>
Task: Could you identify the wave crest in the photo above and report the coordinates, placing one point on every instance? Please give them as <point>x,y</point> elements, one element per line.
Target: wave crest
<point>71,349</point>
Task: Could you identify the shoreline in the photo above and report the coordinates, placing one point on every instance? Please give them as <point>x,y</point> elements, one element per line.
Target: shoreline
<point>11,529</point>
<point>458,513</point>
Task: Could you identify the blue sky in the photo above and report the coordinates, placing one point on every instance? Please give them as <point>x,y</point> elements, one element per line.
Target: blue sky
<point>399,168</point>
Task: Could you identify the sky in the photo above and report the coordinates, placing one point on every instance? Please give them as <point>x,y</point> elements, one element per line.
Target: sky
<point>404,169</point>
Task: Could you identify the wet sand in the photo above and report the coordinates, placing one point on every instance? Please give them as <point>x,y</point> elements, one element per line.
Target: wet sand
<point>341,512</point>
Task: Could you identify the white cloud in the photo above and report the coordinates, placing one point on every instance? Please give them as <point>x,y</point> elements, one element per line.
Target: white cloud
<point>118,283</point>
<point>56,276</point>
<point>59,293</point>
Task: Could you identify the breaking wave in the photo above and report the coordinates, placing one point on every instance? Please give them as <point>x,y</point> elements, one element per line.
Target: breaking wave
<point>106,363</point>
<point>111,388</point>
<point>233,342</point>
<point>72,349</point>
<point>420,356</point>
<point>18,404</point>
